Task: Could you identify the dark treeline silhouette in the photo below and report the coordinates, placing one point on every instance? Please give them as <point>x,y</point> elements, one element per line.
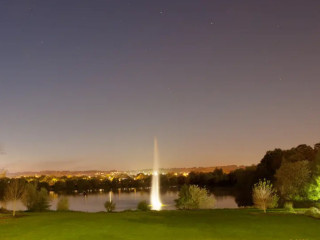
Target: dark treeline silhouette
<point>217,178</point>
<point>240,181</point>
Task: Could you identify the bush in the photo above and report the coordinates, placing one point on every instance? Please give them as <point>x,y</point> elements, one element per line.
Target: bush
<point>264,196</point>
<point>63,204</point>
<point>317,205</point>
<point>110,206</point>
<point>288,206</point>
<point>313,212</point>
<point>34,200</point>
<point>194,197</point>
<point>143,206</point>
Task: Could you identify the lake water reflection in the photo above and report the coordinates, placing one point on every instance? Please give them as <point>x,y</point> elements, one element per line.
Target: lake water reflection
<point>94,202</point>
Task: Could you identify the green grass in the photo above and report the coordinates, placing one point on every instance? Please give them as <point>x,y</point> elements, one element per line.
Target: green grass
<point>205,224</point>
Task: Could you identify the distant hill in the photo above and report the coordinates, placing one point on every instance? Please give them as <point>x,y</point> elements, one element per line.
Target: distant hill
<point>226,169</point>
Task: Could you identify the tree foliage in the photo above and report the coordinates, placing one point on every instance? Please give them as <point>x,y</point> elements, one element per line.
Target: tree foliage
<point>292,179</point>
<point>4,182</point>
<point>270,163</point>
<point>34,200</point>
<point>313,188</point>
<point>264,195</point>
<point>14,192</point>
<point>194,197</point>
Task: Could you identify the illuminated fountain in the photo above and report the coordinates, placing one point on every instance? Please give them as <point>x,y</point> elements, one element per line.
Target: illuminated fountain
<point>155,187</point>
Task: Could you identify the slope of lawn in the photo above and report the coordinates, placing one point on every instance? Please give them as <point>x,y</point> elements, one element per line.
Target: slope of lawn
<point>205,224</point>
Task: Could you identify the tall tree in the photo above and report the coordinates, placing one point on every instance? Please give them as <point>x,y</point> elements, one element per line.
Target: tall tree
<point>317,147</point>
<point>314,186</point>
<point>301,152</point>
<point>292,179</point>
<point>270,163</point>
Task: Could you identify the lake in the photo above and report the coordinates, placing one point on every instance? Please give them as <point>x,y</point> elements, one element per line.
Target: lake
<point>125,200</point>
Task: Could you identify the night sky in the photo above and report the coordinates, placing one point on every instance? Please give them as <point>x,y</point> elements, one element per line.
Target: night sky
<point>88,84</point>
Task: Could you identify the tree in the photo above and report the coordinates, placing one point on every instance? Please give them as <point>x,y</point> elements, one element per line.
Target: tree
<point>35,200</point>
<point>244,182</point>
<point>292,179</point>
<point>301,152</point>
<point>3,186</point>
<point>270,163</point>
<point>194,197</point>
<point>264,195</point>
<point>14,192</point>
<point>110,206</point>
<point>313,189</point>
<point>317,147</point>
<point>217,177</point>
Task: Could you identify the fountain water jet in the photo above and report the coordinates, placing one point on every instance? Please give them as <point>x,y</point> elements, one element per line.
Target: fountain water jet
<point>155,187</point>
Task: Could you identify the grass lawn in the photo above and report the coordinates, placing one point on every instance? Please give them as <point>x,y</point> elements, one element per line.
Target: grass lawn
<point>203,224</point>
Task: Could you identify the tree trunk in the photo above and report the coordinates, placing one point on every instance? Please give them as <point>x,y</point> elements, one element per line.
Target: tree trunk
<point>14,208</point>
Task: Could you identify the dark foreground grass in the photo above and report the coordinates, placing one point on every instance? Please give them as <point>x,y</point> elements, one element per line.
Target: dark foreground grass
<point>207,224</point>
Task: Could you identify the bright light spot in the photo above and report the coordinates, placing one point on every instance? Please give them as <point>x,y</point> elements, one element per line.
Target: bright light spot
<point>155,186</point>
<point>156,205</point>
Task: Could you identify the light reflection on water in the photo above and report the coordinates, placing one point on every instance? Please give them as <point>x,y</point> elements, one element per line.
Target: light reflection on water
<point>124,201</point>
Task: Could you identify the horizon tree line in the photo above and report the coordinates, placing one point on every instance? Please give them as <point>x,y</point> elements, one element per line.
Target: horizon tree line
<point>295,174</point>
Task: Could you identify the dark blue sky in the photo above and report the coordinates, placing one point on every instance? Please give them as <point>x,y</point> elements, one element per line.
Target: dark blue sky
<point>87,84</point>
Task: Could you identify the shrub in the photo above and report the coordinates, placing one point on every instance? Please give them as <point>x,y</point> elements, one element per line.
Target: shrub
<point>143,206</point>
<point>264,195</point>
<point>34,200</point>
<point>313,212</point>
<point>288,206</point>
<point>194,197</point>
<point>110,206</point>
<point>317,205</point>
<point>63,204</point>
